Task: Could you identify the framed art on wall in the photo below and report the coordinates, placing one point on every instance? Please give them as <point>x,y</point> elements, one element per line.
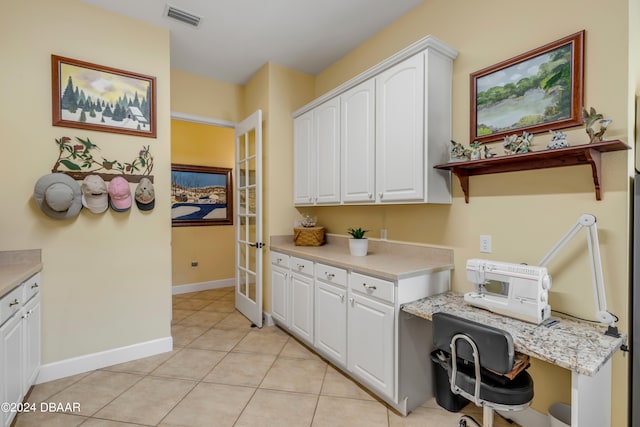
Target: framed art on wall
<point>95,97</point>
<point>536,91</point>
<point>201,195</point>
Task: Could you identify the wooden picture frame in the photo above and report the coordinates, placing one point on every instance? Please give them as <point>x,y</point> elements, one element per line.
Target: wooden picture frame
<point>95,97</point>
<point>201,195</point>
<point>537,91</point>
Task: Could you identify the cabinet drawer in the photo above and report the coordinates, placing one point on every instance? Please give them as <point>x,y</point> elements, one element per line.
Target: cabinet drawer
<point>302,266</point>
<point>11,303</point>
<point>372,286</point>
<point>280,259</point>
<point>330,274</point>
<point>31,287</point>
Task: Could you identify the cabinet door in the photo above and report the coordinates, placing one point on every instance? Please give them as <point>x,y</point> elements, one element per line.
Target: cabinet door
<point>400,132</point>
<point>280,295</point>
<point>32,335</point>
<point>331,322</point>
<point>326,122</point>
<point>303,160</point>
<point>357,131</point>
<point>370,343</point>
<point>302,307</point>
<point>11,364</point>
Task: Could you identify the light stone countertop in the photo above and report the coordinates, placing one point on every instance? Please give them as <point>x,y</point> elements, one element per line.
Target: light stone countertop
<point>386,259</point>
<point>571,344</point>
<point>18,266</point>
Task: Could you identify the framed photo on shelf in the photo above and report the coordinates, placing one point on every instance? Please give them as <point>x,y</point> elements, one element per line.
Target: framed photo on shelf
<point>95,97</point>
<point>537,91</point>
<point>201,195</point>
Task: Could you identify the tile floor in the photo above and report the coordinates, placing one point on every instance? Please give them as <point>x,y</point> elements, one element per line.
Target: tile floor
<point>222,372</point>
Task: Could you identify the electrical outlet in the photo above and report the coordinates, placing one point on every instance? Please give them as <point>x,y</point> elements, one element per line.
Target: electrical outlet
<point>194,264</point>
<point>485,244</point>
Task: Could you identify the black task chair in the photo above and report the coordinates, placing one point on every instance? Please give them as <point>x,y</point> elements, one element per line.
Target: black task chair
<point>480,357</point>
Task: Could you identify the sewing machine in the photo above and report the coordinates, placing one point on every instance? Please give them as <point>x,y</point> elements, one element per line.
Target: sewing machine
<point>515,290</point>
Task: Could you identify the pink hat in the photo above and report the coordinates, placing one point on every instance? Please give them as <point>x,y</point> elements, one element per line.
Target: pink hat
<point>119,194</point>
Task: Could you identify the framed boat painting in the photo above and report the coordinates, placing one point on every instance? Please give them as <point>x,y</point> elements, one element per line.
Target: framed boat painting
<point>95,97</point>
<point>201,195</point>
<point>537,91</point>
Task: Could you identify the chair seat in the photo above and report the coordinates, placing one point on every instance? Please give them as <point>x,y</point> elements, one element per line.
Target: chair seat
<point>518,391</point>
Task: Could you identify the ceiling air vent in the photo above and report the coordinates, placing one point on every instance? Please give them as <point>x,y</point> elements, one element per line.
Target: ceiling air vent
<point>182,16</point>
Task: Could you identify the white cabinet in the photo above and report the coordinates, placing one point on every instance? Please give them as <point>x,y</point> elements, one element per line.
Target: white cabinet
<point>302,298</point>
<point>19,343</point>
<point>371,342</point>
<point>317,155</point>
<point>280,287</point>
<point>357,137</point>
<point>391,125</point>
<point>399,132</point>
<point>331,312</point>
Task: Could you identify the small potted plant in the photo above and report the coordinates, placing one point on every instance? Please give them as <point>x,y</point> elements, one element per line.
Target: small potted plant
<point>358,244</point>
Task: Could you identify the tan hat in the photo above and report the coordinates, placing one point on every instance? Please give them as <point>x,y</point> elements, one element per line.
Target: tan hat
<point>58,196</point>
<point>95,196</point>
<point>145,195</point>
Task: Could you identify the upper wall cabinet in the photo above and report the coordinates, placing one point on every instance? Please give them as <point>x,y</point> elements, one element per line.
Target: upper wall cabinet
<point>376,138</point>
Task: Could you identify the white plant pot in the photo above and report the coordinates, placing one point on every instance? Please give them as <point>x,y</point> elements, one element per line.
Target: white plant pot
<point>358,247</point>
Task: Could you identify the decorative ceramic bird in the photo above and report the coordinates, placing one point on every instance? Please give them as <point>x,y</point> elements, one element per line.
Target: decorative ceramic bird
<point>590,119</point>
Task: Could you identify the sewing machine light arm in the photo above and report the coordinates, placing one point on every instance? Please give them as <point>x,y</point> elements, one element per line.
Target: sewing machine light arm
<point>587,221</point>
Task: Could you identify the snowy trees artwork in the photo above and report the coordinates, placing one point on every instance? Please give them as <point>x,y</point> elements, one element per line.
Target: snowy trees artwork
<point>90,96</point>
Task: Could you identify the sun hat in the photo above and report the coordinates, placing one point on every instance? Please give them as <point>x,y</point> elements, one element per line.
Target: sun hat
<point>119,194</point>
<point>58,196</point>
<point>95,196</point>
<point>145,195</point>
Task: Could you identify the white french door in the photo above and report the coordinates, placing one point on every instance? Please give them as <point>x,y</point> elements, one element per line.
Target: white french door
<point>248,217</point>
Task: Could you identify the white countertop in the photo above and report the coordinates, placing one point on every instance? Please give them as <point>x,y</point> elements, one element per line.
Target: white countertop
<point>16,267</point>
<point>571,344</point>
<point>386,259</point>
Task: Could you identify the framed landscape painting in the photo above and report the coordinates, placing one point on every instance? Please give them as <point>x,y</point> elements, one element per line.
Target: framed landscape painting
<point>95,97</point>
<point>537,91</point>
<point>201,195</point>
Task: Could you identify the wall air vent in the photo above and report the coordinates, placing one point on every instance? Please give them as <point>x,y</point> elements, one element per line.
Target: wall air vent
<point>182,16</point>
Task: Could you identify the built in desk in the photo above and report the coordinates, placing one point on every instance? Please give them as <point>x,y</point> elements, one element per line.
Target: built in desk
<point>581,347</point>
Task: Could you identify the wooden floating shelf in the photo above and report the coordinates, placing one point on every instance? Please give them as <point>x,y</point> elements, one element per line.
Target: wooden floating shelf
<point>585,154</point>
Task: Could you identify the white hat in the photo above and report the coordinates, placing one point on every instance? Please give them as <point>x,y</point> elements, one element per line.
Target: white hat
<point>94,194</point>
<point>58,196</point>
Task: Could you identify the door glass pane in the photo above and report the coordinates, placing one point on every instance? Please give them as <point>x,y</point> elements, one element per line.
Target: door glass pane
<point>243,283</point>
<point>252,171</point>
<point>242,147</point>
<point>252,200</point>
<point>251,142</point>
<point>252,287</point>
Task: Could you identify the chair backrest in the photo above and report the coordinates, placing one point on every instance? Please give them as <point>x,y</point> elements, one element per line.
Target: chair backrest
<point>495,346</point>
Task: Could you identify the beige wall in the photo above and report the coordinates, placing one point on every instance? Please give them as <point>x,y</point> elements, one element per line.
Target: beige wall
<point>524,212</point>
<point>211,246</point>
<point>106,278</point>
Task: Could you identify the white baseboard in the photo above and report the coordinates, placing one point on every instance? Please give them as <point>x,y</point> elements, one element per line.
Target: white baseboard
<point>202,286</point>
<point>90,362</point>
<point>528,418</point>
<point>267,320</point>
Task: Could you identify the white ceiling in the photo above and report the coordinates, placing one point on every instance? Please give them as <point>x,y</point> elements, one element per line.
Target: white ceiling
<point>236,37</point>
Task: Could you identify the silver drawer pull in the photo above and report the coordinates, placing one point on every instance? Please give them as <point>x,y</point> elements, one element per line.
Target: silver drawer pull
<point>371,287</point>
<point>279,260</point>
<point>35,285</point>
<point>300,266</point>
<point>329,275</point>
<point>15,302</point>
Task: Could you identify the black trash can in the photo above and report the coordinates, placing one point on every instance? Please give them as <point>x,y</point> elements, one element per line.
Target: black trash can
<point>444,396</point>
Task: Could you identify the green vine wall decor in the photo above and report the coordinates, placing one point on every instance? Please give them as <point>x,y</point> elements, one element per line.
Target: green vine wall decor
<point>76,158</point>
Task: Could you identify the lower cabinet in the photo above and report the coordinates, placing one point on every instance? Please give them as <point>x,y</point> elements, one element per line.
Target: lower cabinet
<point>355,321</point>
<point>370,346</point>
<point>20,338</point>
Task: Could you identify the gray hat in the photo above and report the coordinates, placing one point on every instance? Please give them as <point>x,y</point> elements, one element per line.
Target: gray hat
<point>58,196</point>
